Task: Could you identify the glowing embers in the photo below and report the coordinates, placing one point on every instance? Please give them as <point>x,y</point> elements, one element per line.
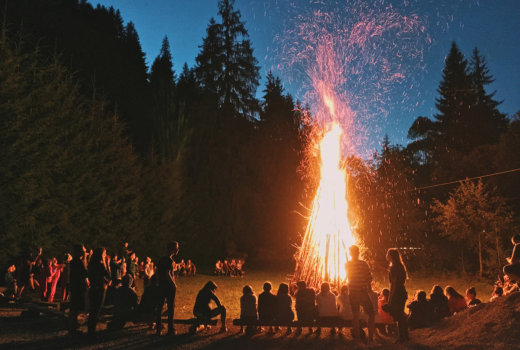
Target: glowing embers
<point>322,255</point>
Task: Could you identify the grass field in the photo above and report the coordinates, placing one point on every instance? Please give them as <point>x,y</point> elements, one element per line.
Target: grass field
<point>230,288</point>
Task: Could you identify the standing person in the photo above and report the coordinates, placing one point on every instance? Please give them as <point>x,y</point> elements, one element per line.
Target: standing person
<point>79,284</point>
<point>99,277</point>
<point>131,266</point>
<point>267,305</point>
<point>116,270</point>
<point>148,272</point>
<point>513,267</point>
<point>55,277</point>
<point>359,281</point>
<point>167,286</point>
<point>65,277</point>
<point>398,295</point>
<point>202,310</point>
<point>305,305</point>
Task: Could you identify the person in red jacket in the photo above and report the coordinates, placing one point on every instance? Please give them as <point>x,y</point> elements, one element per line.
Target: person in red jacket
<point>456,302</point>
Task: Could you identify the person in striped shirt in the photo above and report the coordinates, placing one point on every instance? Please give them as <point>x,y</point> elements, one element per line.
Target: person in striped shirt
<point>359,280</point>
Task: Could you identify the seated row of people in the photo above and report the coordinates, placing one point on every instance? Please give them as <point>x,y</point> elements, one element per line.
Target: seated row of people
<point>187,268</point>
<point>324,306</point>
<point>232,268</point>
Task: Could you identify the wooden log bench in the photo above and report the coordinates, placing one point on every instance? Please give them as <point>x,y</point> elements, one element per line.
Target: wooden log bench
<point>328,323</point>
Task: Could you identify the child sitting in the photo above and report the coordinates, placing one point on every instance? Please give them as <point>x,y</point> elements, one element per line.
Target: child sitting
<point>248,311</point>
<point>420,311</point>
<point>471,294</point>
<point>456,302</point>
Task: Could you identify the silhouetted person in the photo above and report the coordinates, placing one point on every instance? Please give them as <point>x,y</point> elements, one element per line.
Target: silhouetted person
<point>456,302</point>
<point>359,281</point>
<point>420,312</point>
<point>168,288</point>
<point>439,303</point>
<point>284,313</point>
<point>513,267</point>
<point>326,306</point>
<point>398,294</point>
<point>267,305</point>
<point>125,303</point>
<point>471,294</point>
<point>79,284</point>
<point>148,305</point>
<point>497,293</point>
<point>99,277</point>
<point>305,305</point>
<point>248,311</point>
<point>202,309</point>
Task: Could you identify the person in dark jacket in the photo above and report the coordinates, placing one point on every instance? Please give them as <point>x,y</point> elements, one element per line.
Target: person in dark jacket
<point>125,303</point>
<point>471,295</point>
<point>79,284</point>
<point>305,304</point>
<point>99,277</point>
<point>420,311</point>
<point>203,311</point>
<point>284,312</point>
<point>168,288</point>
<point>398,295</point>
<point>267,305</point>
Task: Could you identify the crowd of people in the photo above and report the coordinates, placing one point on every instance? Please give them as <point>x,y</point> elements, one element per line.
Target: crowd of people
<point>111,280</point>
<point>232,268</point>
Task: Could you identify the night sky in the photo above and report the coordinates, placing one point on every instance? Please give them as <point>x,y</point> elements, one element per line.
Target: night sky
<point>492,26</point>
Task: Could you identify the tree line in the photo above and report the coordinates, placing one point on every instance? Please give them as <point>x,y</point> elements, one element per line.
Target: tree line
<point>97,147</point>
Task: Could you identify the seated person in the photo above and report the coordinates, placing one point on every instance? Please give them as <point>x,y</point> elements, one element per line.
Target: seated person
<point>456,302</point>
<point>326,306</point>
<point>233,267</point>
<point>191,269</point>
<point>125,303</point>
<point>497,293</point>
<point>305,304</point>
<point>226,270</point>
<point>147,309</point>
<point>248,312</point>
<point>420,311</point>
<point>509,286</point>
<point>219,268</point>
<point>202,310</point>
<point>513,267</point>
<point>384,317</point>
<point>267,305</point>
<point>343,303</point>
<point>471,294</point>
<point>439,303</point>
<point>239,267</point>
<point>10,282</point>
<point>284,313</point>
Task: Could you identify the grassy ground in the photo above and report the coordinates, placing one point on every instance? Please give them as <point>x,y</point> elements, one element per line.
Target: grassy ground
<point>49,333</point>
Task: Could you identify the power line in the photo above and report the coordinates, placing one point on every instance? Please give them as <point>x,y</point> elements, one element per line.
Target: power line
<point>466,179</point>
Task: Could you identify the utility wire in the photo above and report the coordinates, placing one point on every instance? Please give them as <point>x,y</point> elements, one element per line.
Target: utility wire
<point>471,178</point>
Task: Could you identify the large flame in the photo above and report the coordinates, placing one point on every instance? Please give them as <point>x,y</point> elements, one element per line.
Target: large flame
<point>323,254</point>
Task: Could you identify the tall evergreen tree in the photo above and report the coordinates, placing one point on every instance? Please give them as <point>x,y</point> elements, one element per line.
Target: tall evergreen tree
<point>162,85</point>
<point>226,65</point>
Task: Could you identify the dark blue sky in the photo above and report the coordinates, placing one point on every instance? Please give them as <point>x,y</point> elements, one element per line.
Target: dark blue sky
<point>491,25</point>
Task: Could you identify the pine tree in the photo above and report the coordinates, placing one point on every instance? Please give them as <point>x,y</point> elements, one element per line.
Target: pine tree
<point>488,122</point>
<point>162,85</point>
<point>226,66</point>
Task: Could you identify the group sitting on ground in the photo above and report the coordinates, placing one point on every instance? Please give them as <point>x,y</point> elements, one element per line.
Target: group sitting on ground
<point>187,268</point>
<point>233,268</point>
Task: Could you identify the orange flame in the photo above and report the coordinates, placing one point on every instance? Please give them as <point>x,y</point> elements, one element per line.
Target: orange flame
<point>323,254</point>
